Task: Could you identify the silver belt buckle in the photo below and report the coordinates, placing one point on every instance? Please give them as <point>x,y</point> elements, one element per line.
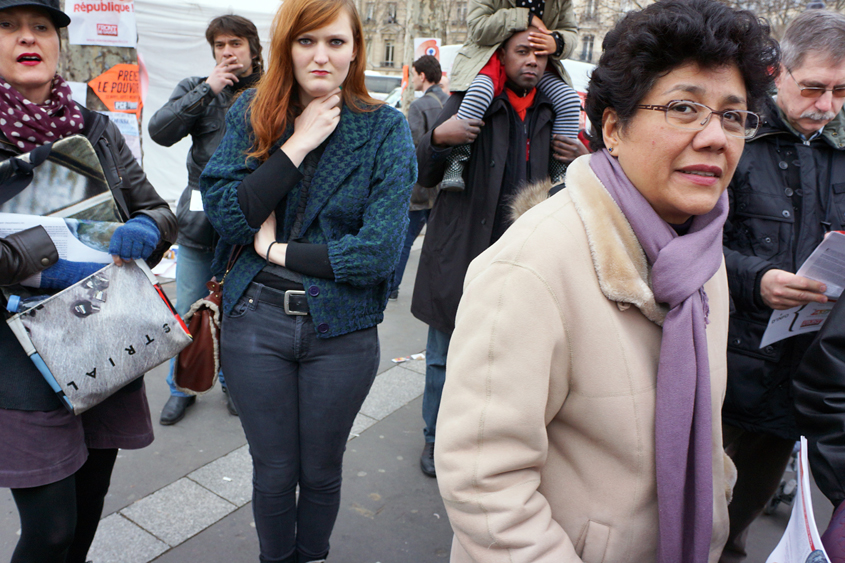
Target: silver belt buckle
<point>288,293</point>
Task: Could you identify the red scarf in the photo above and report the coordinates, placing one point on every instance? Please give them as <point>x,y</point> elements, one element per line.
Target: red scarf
<point>30,125</point>
<point>521,103</point>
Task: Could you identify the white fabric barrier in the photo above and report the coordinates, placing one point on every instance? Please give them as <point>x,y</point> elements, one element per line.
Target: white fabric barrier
<point>171,41</point>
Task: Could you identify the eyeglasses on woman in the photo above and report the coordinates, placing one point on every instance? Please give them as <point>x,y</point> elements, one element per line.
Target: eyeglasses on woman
<point>693,116</point>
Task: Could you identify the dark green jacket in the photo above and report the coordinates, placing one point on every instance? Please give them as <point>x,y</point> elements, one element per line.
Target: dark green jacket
<point>358,206</point>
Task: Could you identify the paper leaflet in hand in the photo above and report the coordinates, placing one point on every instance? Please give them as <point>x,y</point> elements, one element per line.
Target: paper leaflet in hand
<point>827,265</point>
<point>64,179</point>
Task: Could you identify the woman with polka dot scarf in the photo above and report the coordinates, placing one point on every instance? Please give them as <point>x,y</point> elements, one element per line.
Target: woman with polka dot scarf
<point>59,465</point>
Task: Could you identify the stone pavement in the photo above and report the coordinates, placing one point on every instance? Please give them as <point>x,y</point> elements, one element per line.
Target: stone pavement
<point>186,498</point>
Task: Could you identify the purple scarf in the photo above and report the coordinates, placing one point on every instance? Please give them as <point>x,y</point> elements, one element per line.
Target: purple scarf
<point>28,125</point>
<point>683,427</point>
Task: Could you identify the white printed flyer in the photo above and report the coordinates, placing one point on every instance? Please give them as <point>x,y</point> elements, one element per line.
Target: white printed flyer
<point>801,542</point>
<point>109,23</point>
<point>826,264</point>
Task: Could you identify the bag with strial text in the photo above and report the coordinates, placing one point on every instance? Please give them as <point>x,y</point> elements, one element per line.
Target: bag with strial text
<point>100,334</point>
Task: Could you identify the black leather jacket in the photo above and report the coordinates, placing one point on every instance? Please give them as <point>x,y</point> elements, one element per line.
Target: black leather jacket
<point>819,386</point>
<point>195,110</point>
<point>764,230</point>
<point>29,252</point>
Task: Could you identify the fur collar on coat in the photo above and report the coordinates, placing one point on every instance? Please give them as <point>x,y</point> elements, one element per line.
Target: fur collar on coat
<point>619,260</point>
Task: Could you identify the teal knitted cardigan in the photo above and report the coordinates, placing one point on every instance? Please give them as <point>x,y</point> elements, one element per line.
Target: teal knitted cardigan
<point>357,205</point>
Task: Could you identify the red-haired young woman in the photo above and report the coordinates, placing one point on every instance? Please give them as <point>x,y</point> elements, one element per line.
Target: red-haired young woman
<point>314,178</point>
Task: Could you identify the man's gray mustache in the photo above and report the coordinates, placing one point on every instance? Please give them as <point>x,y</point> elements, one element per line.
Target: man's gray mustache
<point>818,115</point>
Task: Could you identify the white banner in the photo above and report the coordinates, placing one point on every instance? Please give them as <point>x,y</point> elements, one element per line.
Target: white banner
<point>102,22</point>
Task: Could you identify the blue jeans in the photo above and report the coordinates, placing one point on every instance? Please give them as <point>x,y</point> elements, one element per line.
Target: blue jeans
<point>417,220</point>
<point>193,270</point>
<point>435,377</point>
<point>297,396</point>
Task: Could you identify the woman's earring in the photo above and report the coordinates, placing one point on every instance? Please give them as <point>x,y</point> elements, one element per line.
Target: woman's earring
<point>610,149</point>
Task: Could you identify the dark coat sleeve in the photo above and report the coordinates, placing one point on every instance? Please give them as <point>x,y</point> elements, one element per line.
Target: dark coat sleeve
<point>819,388</point>
<point>175,120</point>
<point>24,254</point>
<point>744,271</point>
<point>431,160</point>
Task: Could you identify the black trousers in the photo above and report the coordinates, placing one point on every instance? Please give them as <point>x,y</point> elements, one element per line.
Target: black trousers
<point>760,461</point>
<point>59,520</point>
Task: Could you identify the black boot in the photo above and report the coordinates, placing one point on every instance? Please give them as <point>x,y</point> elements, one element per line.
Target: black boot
<point>174,409</point>
<point>229,403</point>
<point>557,171</point>
<point>453,178</point>
<point>427,460</point>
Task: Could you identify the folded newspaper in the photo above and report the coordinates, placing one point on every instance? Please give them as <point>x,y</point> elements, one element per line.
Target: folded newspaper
<point>801,542</point>
<point>77,240</point>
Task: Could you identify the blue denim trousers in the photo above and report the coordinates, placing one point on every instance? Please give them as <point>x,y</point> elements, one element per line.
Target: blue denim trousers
<point>417,220</point>
<point>297,396</point>
<point>435,376</point>
<point>193,270</point>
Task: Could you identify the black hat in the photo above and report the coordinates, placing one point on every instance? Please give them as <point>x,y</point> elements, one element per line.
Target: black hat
<point>60,19</point>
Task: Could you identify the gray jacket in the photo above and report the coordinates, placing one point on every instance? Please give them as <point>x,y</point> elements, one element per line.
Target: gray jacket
<point>421,115</point>
<point>195,110</point>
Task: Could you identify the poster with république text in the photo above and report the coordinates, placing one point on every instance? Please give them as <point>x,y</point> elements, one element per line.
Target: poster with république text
<point>102,22</point>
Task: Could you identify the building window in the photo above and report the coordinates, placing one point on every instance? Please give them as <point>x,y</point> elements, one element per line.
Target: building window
<point>462,12</point>
<point>590,9</point>
<point>587,48</point>
<point>388,52</point>
<point>371,11</point>
<point>391,12</point>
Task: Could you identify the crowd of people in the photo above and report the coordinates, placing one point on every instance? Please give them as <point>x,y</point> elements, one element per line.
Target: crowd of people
<point>595,387</point>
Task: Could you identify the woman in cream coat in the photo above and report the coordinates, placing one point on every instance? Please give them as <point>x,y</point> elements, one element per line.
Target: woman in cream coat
<point>581,414</point>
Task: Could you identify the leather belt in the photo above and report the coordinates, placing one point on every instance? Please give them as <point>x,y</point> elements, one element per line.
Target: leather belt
<point>293,301</point>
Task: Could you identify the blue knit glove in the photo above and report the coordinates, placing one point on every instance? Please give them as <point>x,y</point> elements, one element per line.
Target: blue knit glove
<point>137,238</point>
<point>65,273</point>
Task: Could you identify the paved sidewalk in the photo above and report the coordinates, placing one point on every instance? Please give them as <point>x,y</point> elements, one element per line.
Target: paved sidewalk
<point>186,498</point>
<point>167,518</point>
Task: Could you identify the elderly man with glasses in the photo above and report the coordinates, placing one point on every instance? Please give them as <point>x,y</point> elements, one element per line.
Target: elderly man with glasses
<point>787,192</point>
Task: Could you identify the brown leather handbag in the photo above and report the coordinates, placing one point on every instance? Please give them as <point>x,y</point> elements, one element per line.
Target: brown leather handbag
<point>198,365</point>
